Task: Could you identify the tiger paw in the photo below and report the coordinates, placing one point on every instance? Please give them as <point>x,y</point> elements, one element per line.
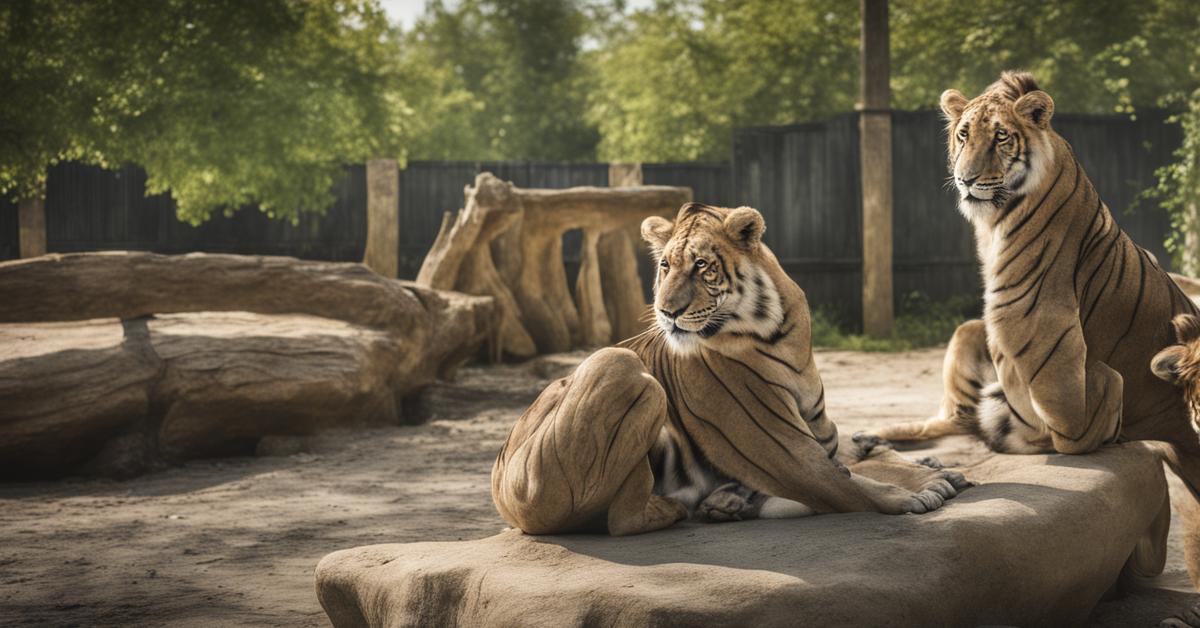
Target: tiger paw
<point>868,443</point>
<point>929,499</point>
<point>1189,618</point>
<point>730,502</point>
<point>956,479</point>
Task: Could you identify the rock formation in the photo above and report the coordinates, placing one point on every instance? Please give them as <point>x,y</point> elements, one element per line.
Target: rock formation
<point>506,242</point>
<point>113,361</point>
<point>1038,542</point>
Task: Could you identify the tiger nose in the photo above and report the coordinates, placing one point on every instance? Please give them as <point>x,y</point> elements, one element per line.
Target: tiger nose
<point>672,315</point>
<point>968,181</point>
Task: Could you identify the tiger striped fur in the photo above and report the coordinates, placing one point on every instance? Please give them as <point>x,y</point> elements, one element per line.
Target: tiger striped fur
<point>746,405</point>
<point>1073,309</point>
<point>716,411</point>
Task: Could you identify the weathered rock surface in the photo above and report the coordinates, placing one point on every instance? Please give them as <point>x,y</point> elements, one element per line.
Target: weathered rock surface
<point>110,362</point>
<point>1037,543</point>
<point>129,284</point>
<point>185,385</point>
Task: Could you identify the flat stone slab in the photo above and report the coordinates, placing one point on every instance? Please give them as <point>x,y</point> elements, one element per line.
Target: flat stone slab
<point>1038,542</point>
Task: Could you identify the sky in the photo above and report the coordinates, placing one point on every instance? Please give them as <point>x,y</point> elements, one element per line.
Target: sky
<point>403,12</point>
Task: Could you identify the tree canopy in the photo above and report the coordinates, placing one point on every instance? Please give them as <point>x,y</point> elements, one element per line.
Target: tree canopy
<point>227,102</point>
<point>223,102</point>
<point>683,74</point>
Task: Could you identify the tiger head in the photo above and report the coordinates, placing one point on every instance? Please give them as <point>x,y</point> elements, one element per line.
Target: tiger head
<point>712,275</point>
<point>1179,364</point>
<point>1000,143</point>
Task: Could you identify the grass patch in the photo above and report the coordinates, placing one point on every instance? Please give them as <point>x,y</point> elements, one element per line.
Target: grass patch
<point>920,323</point>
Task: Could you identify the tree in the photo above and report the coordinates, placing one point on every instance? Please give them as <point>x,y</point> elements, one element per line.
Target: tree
<point>687,72</point>
<point>683,74</point>
<point>511,77</point>
<point>1094,56</point>
<point>223,102</point>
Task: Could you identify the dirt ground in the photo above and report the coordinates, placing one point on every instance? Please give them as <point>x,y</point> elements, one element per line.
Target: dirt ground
<point>234,541</point>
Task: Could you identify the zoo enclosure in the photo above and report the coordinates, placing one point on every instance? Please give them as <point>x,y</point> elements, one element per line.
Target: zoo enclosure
<point>803,178</point>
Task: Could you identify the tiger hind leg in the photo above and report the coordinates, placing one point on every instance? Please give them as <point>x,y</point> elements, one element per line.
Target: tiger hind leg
<point>578,458</point>
<point>966,370</point>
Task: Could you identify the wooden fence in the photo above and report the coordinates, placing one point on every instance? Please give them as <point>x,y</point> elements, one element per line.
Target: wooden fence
<point>805,181</point>
<point>804,178</point>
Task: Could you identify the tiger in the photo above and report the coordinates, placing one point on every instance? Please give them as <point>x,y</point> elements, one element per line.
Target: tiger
<point>1179,366</point>
<point>716,412</point>
<point>1074,310</point>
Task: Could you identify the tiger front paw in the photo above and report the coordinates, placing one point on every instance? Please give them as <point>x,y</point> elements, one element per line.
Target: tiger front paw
<point>869,443</point>
<point>730,502</point>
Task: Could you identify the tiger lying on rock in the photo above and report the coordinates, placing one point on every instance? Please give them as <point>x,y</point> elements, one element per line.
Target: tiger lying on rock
<point>717,411</point>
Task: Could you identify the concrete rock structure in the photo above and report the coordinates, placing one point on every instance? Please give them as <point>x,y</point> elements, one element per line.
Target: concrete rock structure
<point>1038,542</point>
<point>110,362</point>
<point>506,242</point>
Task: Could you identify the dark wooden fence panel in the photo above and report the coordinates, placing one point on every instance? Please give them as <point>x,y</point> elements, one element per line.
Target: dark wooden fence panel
<point>933,246</point>
<point>10,243</point>
<point>711,183</point>
<point>428,189</point>
<point>804,180</point>
<point>91,209</point>
<point>1120,156</point>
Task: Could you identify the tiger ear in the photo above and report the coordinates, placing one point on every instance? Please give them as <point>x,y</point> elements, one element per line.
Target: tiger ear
<point>953,102</point>
<point>745,226</point>
<point>656,231</point>
<point>1166,364</point>
<point>1187,328</point>
<point>1036,107</point>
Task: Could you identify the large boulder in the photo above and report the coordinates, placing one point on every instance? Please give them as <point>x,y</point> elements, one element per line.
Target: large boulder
<point>113,361</point>
<point>1037,543</point>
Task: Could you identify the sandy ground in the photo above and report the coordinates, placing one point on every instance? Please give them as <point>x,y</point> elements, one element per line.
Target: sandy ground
<point>234,541</point>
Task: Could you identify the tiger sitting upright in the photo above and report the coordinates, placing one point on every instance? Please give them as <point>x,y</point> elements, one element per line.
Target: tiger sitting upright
<point>1074,311</point>
<point>718,410</point>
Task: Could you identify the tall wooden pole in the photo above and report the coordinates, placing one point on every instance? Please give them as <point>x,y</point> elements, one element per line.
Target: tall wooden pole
<point>31,226</point>
<point>875,154</point>
<point>382,253</point>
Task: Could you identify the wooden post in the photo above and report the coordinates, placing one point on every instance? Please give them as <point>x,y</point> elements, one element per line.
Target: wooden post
<point>624,175</point>
<point>875,153</point>
<point>382,254</point>
<point>31,221</point>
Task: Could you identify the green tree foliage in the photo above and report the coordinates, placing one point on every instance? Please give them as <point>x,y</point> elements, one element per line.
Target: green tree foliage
<point>675,84</point>
<point>514,85</point>
<point>227,102</point>
<point>1093,56</point>
<point>223,102</point>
